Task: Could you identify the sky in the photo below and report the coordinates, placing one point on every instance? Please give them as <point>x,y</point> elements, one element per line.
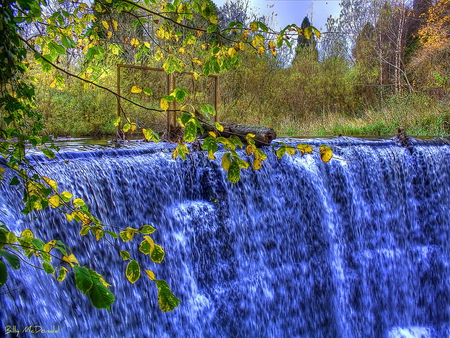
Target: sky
<point>293,11</point>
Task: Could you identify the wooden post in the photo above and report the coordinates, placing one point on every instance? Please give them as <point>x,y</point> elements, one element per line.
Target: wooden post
<point>216,97</point>
<point>168,112</point>
<point>119,108</point>
<point>174,102</point>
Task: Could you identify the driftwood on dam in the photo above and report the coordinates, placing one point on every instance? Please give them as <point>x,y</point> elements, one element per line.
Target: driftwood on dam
<point>263,135</point>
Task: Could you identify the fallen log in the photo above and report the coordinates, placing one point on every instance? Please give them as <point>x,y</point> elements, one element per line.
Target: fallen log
<point>263,135</point>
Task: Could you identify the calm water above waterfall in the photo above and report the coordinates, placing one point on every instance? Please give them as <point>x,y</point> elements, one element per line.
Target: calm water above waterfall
<point>301,248</point>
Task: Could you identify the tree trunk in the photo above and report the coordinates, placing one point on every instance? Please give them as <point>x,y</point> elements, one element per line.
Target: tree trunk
<point>263,135</point>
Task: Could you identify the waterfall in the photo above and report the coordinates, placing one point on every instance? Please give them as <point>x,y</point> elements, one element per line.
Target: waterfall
<point>357,247</point>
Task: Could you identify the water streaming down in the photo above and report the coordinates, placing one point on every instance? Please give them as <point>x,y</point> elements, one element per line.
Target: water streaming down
<point>301,248</point>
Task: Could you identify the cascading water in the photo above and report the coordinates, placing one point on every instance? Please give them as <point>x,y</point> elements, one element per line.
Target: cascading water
<point>301,248</point>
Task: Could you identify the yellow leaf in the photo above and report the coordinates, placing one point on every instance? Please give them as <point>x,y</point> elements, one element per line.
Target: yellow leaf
<point>325,153</point>
<point>115,25</point>
<point>105,24</point>
<point>134,42</point>
<point>101,280</point>
<point>212,134</point>
<point>27,233</point>
<point>71,259</point>
<point>231,52</point>
<point>211,155</point>
<point>253,26</point>
<point>195,75</point>
<point>78,202</point>
<point>99,234</point>
<point>62,274</point>
<point>257,164</point>
<point>219,127</point>
<point>51,183</point>
<point>271,44</point>
<point>304,148</point>
<point>164,104</point>
<point>160,33</point>
<point>136,90</point>
<point>109,35</point>
<point>54,201</point>
<point>274,52</point>
<point>226,161</point>
<point>147,44</point>
<point>290,150</point>
<point>130,233</point>
<point>261,50</point>
<point>66,195</point>
<point>250,149</point>
<point>69,217</point>
<point>53,84</point>
<point>133,127</point>
<point>150,274</point>
<point>214,19</point>
<point>11,237</point>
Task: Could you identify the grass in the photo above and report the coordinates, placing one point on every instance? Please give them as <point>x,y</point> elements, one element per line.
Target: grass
<point>417,114</point>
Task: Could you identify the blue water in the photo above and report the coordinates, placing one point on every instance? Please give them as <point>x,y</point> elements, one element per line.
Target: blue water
<point>351,248</point>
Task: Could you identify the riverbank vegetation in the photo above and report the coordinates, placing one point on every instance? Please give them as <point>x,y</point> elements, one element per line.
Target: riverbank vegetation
<point>379,66</point>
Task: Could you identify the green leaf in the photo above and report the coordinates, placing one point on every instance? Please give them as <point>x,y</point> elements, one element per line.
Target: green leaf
<point>55,48</point>
<point>125,255</point>
<point>148,91</point>
<point>166,299</point>
<point>83,279</point>
<point>133,271</point>
<point>48,153</point>
<point>208,109</point>
<point>144,247</point>
<point>3,273</point>
<point>126,127</point>
<point>262,26</point>
<point>181,150</point>
<point>101,297</point>
<point>211,28</point>
<point>13,260</point>
<point>116,121</point>
<point>112,234</point>
<point>147,230</point>
<point>190,132</point>
<point>234,172</point>
<point>14,181</point>
<point>180,94</point>
<point>85,230</point>
<point>67,41</point>
<point>242,164</point>
<point>157,253</point>
<point>281,151</point>
<point>48,268</point>
<point>150,247</point>
<point>236,141</point>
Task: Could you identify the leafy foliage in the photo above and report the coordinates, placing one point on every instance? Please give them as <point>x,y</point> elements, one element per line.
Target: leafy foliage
<point>186,37</point>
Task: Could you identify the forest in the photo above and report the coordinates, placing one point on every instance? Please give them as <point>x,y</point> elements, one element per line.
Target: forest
<point>380,65</point>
